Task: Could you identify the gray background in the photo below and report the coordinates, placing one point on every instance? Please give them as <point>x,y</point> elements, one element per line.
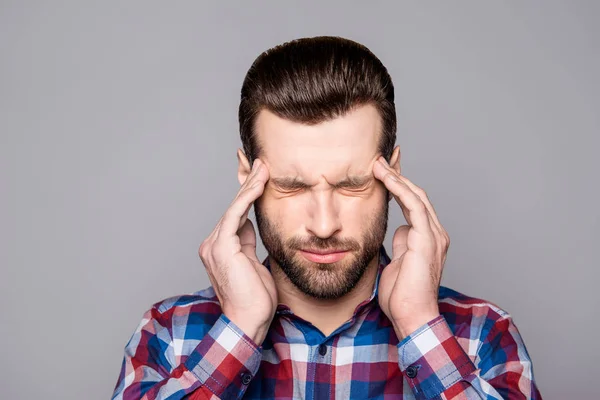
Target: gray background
<point>119,129</point>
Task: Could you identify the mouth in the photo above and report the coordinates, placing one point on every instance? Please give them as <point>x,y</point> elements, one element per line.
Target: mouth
<point>324,256</point>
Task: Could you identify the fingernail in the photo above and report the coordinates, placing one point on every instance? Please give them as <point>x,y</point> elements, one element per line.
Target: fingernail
<point>382,160</point>
<point>255,165</point>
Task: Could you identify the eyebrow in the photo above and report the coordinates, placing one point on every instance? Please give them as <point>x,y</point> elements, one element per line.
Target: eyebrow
<point>350,182</point>
<point>353,182</point>
<point>289,183</point>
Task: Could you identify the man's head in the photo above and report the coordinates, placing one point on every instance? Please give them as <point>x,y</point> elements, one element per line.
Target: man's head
<point>318,112</point>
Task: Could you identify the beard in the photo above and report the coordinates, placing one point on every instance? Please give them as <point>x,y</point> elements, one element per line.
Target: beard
<point>318,280</point>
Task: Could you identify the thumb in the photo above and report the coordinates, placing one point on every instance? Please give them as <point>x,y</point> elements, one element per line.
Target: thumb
<point>399,242</point>
<point>247,237</point>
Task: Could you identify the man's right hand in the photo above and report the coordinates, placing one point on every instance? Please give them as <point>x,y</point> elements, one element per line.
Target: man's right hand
<point>244,287</point>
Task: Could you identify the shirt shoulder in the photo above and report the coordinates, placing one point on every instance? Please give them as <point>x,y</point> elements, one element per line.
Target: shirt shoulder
<point>452,301</point>
<point>205,296</point>
<point>473,321</point>
<point>198,308</point>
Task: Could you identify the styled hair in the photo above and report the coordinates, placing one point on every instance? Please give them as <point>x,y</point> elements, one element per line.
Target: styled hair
<point>313,80</point>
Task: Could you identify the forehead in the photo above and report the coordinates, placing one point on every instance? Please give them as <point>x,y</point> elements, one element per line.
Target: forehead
<point>331,149</point>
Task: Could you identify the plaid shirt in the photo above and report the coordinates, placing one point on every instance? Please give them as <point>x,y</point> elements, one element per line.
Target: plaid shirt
<point>186,348</point>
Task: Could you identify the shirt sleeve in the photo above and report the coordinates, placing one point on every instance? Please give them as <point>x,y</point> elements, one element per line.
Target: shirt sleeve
<point>220,367</point>
<point>437,367</point>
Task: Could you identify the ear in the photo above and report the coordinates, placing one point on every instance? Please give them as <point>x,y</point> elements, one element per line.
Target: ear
<point>395,165</point>
<point>244,167</point>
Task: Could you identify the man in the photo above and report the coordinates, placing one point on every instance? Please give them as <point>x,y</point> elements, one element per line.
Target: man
<point>329,314</point>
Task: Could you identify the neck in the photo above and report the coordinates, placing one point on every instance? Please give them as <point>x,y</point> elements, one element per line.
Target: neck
<point>325,315</point>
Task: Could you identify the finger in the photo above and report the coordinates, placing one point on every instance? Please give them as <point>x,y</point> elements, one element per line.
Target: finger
<point>402,207</point>
<point>425,199</point>
<point>250,179</point>
<point>237,213</point>
<point>435,224</point>
<point>417,211</point>
<point>404,210</point>
<point>441,235</point>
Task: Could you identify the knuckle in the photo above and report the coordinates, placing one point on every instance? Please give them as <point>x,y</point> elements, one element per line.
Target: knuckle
<point>421,193</point>
<point>203,250</point>
<point>218,248</point>
<point>421,206</point>
<point>445,235</point>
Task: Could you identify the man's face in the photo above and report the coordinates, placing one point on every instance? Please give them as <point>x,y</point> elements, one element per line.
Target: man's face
<point>322,216</point>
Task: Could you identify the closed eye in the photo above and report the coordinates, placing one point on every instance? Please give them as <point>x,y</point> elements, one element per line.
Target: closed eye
<point>286,185</point>
<point>288,190</point>
<point>355,189</point>
<point>292,185</point>
<point>354,184</point>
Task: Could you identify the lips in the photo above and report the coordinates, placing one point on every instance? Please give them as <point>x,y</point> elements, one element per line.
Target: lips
<point>324,256</point>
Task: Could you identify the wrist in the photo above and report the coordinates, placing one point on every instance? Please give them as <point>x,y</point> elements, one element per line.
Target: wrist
<point>406,327</point>
<point>256,332</point>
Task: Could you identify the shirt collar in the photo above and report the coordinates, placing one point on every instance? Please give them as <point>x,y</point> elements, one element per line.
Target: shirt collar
<point>384,260</point>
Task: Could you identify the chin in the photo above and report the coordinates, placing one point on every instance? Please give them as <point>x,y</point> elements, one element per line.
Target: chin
<point>325,281</point>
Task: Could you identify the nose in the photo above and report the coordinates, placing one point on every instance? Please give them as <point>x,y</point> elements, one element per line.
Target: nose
<point>323,219</point>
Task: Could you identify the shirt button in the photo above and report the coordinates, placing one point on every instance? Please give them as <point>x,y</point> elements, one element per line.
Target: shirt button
<point>322,349</point>
<point>411,371</point>
<point>246,378</point>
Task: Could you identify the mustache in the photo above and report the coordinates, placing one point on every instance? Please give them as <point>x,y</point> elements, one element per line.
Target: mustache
<point>331,243</point>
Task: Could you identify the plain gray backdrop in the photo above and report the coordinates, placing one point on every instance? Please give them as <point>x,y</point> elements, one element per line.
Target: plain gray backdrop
<point>118,126</point>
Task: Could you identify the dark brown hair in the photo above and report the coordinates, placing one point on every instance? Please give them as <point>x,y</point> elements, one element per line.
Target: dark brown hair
<point>312,80</point>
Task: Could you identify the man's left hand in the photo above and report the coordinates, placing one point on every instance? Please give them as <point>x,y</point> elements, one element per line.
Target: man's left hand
<point>408,286</point>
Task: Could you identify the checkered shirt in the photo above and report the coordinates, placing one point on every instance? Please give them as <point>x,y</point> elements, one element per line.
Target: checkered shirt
<point>186,348</point>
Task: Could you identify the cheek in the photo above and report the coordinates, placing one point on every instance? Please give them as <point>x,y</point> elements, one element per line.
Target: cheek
<point>357,213</point>
<point>287,213</point>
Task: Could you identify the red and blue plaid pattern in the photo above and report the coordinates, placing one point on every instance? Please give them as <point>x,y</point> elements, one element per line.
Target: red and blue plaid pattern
<point>186,348</point>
